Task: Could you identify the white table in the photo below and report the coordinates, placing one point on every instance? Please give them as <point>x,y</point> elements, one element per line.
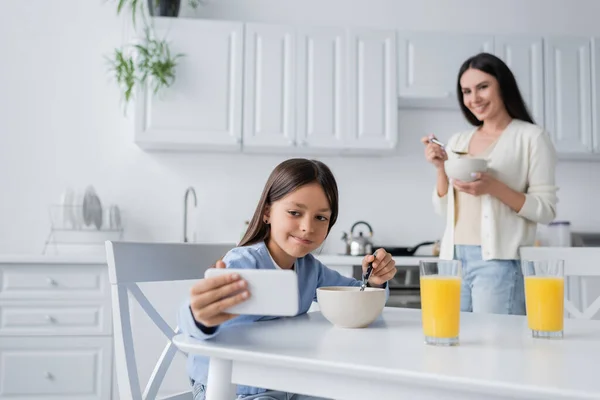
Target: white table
<point>496,359</point>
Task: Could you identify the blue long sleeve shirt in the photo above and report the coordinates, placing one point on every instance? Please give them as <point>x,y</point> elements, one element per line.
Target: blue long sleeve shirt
<point>311,275</point>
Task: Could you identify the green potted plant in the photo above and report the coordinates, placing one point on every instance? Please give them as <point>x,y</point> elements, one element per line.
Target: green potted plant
<point>148,63</point>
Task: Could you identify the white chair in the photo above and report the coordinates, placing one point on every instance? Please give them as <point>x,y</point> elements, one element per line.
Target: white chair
<point>580,263</point>
<point>132,263</point>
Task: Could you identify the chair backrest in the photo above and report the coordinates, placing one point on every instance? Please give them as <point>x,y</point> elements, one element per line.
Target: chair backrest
<point>131,263</point>
<point>580,263</point>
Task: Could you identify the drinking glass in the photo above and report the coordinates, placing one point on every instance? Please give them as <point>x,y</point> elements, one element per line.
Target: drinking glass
<point>440,301</point>
<point>544,297</point>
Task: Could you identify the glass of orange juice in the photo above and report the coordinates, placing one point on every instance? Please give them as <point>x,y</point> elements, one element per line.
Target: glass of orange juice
<point>544,297</point>
<point>440,301</point>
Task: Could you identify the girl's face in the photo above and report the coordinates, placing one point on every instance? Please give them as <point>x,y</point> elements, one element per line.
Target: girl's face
<point>299,223</point>
<point>481,94</point>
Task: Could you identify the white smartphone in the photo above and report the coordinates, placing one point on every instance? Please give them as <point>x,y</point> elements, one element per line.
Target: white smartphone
<point>273,292</point>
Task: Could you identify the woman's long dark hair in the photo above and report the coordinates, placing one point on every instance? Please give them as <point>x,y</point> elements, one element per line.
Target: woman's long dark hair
<point>509,90</point>
<point>285,178</point>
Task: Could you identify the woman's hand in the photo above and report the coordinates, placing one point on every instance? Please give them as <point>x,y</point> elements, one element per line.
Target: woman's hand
<point>384,267</point>
<point>210,296</point>
<point>487,184</point>
<point>483,184</point>
<point>434,153</point>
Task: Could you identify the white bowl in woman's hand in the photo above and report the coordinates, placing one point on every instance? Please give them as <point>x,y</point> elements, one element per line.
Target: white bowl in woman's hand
<point>462,169</point>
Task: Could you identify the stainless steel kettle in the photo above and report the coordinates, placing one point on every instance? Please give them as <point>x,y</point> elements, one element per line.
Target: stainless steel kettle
<point>358,245</point>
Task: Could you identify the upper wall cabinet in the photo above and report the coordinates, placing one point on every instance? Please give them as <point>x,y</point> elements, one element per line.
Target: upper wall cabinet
<point>203,108</point>
<point>269,86</point>
<point>428,65</point>
<point>569,93</point>
<point>525,57</point>
<point>319,89</point>
<point>322,88</point>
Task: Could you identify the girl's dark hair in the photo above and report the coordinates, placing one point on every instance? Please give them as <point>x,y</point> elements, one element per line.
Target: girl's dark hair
<point>285,178</point>
<point>509,90</point>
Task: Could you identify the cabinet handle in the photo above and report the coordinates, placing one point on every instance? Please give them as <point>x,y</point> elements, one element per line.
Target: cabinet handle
<point>51,281</point>
<point>49,376</point>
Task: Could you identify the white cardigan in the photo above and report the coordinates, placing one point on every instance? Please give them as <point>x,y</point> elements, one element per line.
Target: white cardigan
<point>524,158</point>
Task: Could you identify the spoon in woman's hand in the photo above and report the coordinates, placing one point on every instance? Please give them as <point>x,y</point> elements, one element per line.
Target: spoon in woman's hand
<point>443,146</point>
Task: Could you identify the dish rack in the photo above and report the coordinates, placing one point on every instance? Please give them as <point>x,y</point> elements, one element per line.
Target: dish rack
<point>72,225</point>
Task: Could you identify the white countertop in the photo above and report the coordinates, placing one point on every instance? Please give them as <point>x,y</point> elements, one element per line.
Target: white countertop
<point>587,253</point>
<point>343,260</point>
<point>51,259</point>
<point>497,357</point>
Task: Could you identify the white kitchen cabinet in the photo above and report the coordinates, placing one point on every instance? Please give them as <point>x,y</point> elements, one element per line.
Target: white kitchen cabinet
<point>428,65</point>
<point>269,87</point>
<point>524,56</point>
<point>568,97</point>
<point>55,330</point>
<point>373,110</point>
<point>322,87</point>
<point>55,368</point>
<point>596,94</point>
<point>203,108</point>
<point>319,89</point>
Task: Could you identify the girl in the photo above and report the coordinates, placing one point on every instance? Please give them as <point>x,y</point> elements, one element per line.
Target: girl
<point>489,219</point>
<point>296,211</point>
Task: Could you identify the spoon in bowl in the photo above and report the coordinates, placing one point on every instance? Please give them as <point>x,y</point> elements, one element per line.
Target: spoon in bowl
<point>366,276</point>
<point>443,146</point>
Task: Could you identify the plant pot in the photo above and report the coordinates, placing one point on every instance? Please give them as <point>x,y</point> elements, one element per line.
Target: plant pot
<point>164,8</point>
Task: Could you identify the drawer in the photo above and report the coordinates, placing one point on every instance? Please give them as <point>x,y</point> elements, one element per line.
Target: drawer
<point>60,368</point>
<point>27,281</point>
<point>55,318</point>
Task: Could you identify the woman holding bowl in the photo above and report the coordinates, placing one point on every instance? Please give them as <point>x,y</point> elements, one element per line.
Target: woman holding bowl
<point>497,211</point>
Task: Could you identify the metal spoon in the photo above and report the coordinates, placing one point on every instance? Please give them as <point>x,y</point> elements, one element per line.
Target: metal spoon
<point>443,146</point>
<point>366,276</point>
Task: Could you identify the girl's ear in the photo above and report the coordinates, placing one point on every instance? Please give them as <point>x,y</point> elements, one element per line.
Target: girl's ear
<point>267,214</point>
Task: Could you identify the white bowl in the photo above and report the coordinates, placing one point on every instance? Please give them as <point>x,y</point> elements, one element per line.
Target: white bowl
<point>462,168</point>
<point>348,307</point>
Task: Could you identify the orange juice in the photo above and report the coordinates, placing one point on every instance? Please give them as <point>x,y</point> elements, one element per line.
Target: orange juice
<point>544,299</point>
<point>440,305</point>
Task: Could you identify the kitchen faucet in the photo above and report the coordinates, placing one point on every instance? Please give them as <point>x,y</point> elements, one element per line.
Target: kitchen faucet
<point>185,210</point>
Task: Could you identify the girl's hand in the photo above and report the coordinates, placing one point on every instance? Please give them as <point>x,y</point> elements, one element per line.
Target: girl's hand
<point>209,297</point>
<point>434,153</point>
<point>483,184</point>
<point>384,267</point>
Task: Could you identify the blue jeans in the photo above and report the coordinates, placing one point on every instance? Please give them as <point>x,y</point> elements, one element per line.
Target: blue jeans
<point>493,286</point>
<point>199,391</point>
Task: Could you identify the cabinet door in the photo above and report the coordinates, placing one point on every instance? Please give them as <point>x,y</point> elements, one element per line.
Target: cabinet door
<point>373,110</point>
<point>596,94</point>
<point>322,100</point>
<point>428,65</point>
<point>568,93</point>
<point>524,56</point>
<point>269,87</point>
<point>55,368</point>
<point>203,108</point>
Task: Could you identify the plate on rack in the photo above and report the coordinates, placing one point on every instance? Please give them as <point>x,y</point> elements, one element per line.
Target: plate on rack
<point>92,208</point>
